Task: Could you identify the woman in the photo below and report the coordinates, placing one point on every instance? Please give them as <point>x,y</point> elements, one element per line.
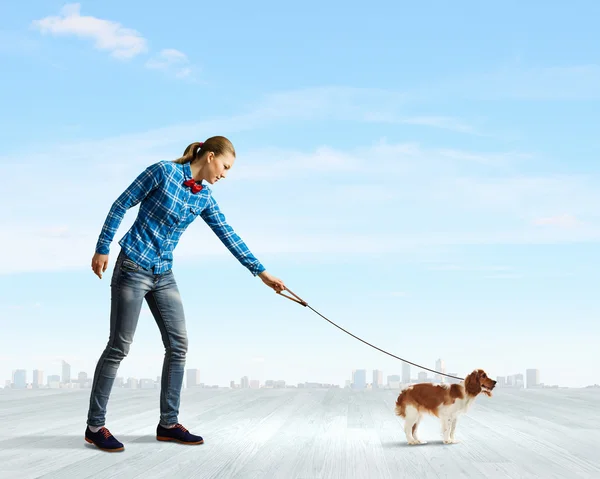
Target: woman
<point>172,195</point>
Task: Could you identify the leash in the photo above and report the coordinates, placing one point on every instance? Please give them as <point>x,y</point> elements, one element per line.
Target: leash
<point>299,300</point>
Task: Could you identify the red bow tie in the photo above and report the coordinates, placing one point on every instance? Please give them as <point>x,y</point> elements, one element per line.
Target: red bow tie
<point>195,186</point>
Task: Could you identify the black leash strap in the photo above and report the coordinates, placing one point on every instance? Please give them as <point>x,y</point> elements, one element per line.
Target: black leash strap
<point>299,300</point>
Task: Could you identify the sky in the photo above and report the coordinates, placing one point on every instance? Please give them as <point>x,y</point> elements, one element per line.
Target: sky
<point>424,176</point>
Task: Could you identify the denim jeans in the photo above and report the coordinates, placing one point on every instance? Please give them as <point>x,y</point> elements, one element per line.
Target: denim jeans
<point>130,285</point>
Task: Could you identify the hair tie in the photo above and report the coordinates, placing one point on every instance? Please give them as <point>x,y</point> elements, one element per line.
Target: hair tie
<point>197,149</point>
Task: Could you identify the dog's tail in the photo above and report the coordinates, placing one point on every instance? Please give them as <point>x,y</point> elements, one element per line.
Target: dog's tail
<point>401,404</point>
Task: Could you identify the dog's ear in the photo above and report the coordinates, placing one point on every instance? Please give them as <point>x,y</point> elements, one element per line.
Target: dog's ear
<point>473,384</point>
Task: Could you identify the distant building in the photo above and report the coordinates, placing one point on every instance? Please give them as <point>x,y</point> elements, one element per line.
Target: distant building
<point>440,366</point>
<point>66,372</point>
<point>82,377</point>
<point>19,379</point>
<point>393,381</point>
<point>377,379</point>
<point>405,373</point>
<point>359,379</point>
<point>54,381</point>
<point>533,378</point>
<point>146,383</point>
<point>38,379</point>
<point>132,383</point>
<point>193,378</point>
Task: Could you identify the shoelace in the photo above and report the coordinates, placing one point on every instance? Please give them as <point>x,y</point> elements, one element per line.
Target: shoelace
<point>181,427</point>
<point>105,432</point>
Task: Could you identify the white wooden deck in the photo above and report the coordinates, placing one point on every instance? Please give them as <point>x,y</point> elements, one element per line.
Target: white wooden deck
<point>301,433</point>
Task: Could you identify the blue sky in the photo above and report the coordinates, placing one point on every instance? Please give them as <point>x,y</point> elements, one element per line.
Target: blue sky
<point>426,177</point>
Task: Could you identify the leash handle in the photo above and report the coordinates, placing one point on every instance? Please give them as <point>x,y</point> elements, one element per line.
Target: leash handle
<point>297,298</point>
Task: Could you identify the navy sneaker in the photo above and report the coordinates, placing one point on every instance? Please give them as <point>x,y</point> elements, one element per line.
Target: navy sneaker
<point>103,439</point>
<point>178,434</point>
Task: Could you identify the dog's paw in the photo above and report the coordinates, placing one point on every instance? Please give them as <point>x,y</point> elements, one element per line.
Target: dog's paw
<point>450,441</point>
<point>413,442</point>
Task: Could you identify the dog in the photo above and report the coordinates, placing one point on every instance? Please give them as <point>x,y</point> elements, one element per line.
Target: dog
<point>444,401</point>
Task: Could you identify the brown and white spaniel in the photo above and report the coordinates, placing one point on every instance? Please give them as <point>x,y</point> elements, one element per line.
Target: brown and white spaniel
<point>444,401</point>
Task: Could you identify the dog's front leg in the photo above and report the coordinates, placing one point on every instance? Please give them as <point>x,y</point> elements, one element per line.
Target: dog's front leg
<point>446,428</point>
<point>453,430</point>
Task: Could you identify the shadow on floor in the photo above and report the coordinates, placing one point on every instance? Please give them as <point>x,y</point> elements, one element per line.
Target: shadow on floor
<point>68,442</point>
<point>405,444</point>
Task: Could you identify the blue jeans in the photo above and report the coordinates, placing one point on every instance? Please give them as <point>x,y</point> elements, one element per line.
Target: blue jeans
<point>130,285</point>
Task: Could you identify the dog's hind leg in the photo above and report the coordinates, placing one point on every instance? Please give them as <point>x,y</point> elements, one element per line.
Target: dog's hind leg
<point>414,430</point>
<point>411,418</point>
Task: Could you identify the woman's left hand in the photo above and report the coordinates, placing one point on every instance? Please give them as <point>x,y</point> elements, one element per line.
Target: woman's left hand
<point>272,281</point>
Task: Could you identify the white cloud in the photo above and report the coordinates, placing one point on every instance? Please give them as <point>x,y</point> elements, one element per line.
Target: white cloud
<point>272,163</point>
<point>561,221</point>
<point>399,294</point>
<point>526,198</point>
<point>333,101</point>
<point>375,198</point>
<point>122,43</point>
<point>373,162</point>
<point>444,266</point>
<point>21,307</point>
<point>183,72</point>
<point>447,123</point>
<point>371,105</point>
<point>171,60</point>
<point>496,159</point>
<point>38,253</point>
<point>568,82</point>
<point>166,58</point>
<point>273,109</point>
<point>503,276</point>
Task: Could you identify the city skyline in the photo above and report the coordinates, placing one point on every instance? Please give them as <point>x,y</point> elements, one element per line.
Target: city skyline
<point>193,378</point>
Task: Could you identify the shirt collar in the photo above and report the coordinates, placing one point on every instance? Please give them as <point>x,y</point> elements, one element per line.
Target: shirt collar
<point>187,171</point>
<point>187,174</point>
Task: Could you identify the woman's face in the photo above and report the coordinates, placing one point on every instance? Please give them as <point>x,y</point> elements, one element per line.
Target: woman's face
<point>218,166</point>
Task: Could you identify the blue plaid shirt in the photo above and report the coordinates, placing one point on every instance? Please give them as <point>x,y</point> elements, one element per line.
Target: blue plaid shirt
<point>167,208</point>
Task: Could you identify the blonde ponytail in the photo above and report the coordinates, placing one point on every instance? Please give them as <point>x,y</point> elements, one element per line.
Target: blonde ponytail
<point>219,145</point>
<point>190,153</point>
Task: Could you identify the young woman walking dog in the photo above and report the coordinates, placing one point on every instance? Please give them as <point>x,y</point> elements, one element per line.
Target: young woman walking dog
<point>171,194</point>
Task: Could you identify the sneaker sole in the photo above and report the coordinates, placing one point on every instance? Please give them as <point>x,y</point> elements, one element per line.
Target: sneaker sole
<point>170,439</point>
<point>103,448</point>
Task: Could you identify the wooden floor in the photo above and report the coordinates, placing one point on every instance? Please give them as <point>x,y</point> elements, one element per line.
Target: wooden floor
<point>301,433</point>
